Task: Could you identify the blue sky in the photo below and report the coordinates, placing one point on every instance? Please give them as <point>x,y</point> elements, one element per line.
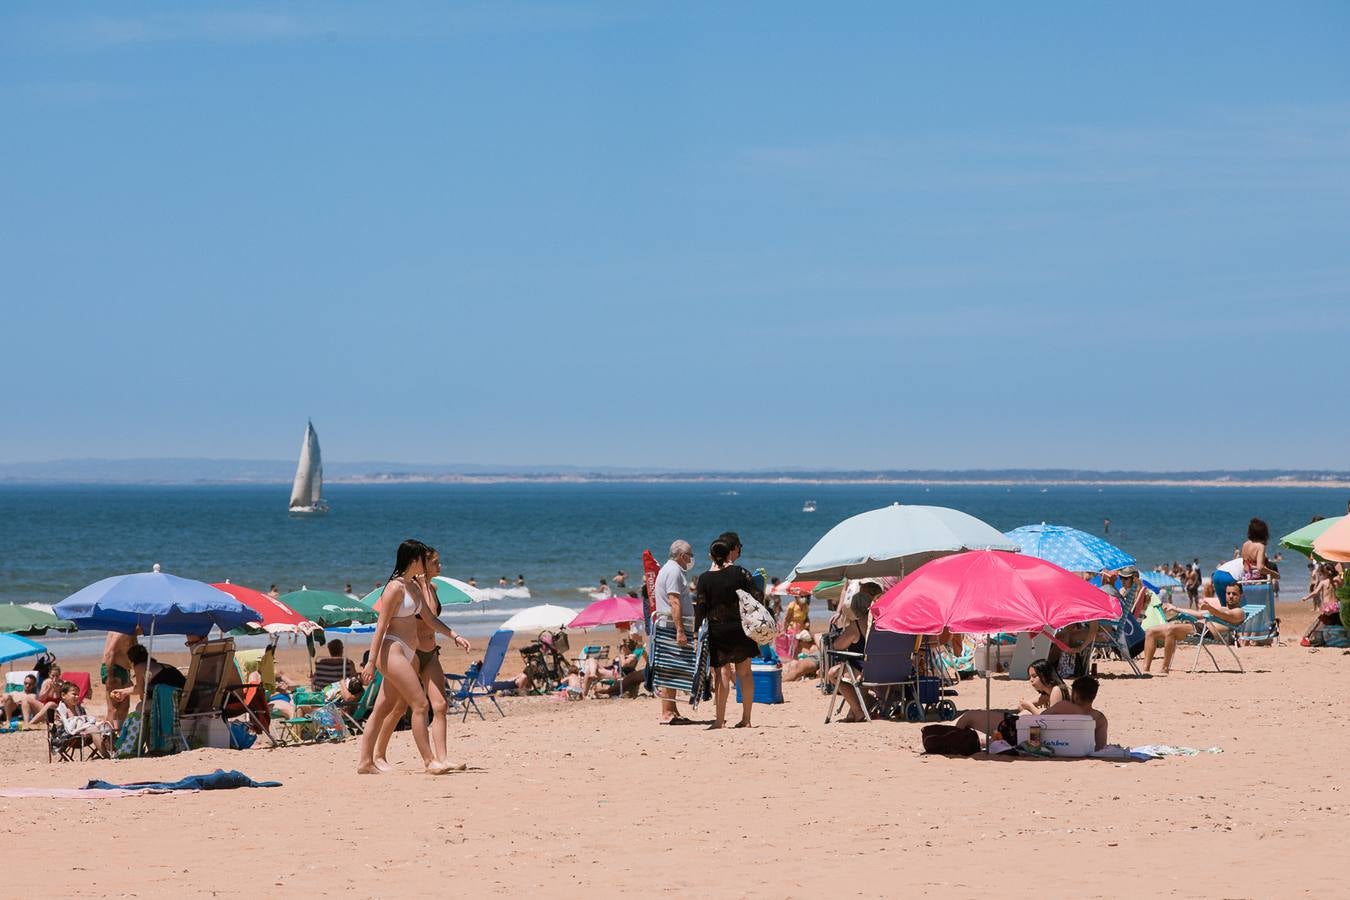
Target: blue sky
<point>703,235</point>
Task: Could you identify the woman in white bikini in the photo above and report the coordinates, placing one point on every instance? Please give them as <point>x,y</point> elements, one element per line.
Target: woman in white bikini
<point>387,712</point>
<point>392,651</point>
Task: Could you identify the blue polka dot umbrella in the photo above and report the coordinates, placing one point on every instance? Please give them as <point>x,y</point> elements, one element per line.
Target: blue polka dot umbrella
<point>1069,548</point>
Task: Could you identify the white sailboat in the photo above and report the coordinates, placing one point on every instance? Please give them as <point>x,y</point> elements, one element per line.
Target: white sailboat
<point>307,491</point>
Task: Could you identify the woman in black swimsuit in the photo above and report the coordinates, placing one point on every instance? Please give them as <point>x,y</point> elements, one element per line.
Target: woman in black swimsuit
<point>717,603</point>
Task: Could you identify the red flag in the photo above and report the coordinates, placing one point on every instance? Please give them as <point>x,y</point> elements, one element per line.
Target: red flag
<point>650,568</point>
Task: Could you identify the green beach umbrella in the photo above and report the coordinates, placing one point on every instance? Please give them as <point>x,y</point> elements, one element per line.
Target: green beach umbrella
<point>15,619</point>
<point>328,609</point>
<point>446,590</point>
<point>1302,540</point>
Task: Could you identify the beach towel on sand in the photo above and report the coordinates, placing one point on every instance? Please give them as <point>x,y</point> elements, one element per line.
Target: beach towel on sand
<point>216,781</point>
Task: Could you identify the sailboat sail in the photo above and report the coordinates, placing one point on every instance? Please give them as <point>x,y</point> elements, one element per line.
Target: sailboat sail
<point>308,486</point>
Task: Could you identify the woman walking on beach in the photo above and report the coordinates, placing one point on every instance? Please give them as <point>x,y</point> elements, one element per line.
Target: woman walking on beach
<point>402,605</point>
<point>389,708</point>
<point>717,603</point>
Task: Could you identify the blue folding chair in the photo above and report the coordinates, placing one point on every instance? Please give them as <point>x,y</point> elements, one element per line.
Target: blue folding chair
<point>1258,604</point>
<point>483,682</point>
<point>681,667</point>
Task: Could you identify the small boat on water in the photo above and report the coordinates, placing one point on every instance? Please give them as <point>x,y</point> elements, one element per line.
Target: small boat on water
<point>307,489</point>
<point>809,506</point>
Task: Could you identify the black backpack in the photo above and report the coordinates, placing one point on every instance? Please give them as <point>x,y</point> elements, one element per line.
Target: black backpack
<point>948,740</point>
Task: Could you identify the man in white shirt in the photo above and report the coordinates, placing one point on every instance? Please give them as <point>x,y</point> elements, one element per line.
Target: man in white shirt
<point>672,589</point>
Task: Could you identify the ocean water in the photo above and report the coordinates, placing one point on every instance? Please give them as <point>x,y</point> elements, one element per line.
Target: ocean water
<point>561,537</point>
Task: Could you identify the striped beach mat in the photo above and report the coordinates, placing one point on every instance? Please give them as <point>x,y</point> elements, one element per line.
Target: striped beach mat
<point>682,668</point>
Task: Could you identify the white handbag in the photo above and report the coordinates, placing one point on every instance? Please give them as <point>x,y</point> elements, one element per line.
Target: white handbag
<point>756,620</point>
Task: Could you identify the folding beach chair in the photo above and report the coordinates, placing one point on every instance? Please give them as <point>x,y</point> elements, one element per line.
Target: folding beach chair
<point>482,683</point>
<point>1258,606</point>
<point>682,668</point>
<point>1113,640</point>
<point>204,692</point>
<point>1212,631</point>
<point>60,745</point>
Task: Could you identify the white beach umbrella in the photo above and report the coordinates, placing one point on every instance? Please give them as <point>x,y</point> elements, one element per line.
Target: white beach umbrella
<point>539,618</point>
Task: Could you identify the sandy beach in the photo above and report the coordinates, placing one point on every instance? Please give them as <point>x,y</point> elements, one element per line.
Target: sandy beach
<point>596,795</point>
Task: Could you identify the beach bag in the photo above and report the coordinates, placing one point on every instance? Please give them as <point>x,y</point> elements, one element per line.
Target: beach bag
<point>756,620</point>
<point>948,740</point>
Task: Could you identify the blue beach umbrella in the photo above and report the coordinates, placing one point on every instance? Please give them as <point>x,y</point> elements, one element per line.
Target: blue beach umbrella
<point>13,647</point>
<point>157,603</point>
<point>1158,580</point>
<point>895,540</point>
<point>1069,548</point>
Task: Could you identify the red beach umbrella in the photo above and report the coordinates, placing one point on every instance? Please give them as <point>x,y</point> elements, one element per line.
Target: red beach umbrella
<point>276,616</point>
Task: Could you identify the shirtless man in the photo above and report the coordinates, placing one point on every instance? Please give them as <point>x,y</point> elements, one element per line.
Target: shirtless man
<point>115,675</point>
<point>1081,695</point>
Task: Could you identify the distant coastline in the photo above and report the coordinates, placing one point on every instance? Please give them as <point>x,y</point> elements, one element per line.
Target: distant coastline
<point>148,472</point>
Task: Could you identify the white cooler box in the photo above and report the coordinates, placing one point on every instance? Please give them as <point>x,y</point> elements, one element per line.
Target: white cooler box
<point>207,731</point>
<point>1066,735</point>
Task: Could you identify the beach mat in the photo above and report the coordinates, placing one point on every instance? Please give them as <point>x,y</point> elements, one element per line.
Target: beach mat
<point>20,793</point>
<point>218,780</point>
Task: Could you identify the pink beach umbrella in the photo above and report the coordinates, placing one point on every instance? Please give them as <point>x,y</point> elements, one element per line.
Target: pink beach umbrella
<point>988,591</point>
<point>609,611</point>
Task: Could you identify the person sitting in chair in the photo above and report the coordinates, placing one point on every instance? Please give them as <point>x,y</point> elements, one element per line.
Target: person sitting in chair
<point>1229,613</point>
<point>75,721</point>
<point>333,669</point>
<point>848,633</point>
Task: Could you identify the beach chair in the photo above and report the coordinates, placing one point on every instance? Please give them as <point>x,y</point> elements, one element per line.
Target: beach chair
<point>1113,640</point>
<point>680,668</point>
<point>483,682</point>
<point>209,674</point>
<point>1258,606</point>
<point>1213,631</point>
<point>60,745</point>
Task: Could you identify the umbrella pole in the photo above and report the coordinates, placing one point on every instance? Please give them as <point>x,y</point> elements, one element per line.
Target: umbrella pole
<point>146,698</point>
<point>988,738</point>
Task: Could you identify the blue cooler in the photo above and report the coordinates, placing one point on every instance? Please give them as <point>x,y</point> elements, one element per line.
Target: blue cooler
<point>768,683</point>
